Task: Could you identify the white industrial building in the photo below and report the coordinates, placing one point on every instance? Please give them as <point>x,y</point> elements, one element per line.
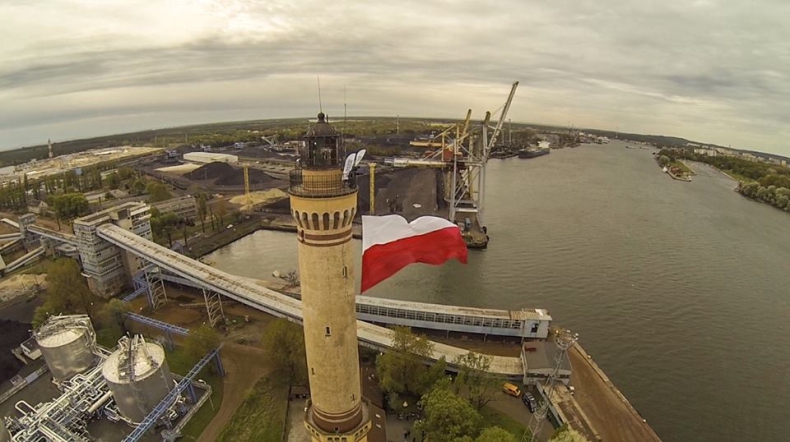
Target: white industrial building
<point>210,157</point>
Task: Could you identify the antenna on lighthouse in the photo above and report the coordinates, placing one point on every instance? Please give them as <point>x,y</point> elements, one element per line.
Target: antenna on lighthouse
<point>320,106</point>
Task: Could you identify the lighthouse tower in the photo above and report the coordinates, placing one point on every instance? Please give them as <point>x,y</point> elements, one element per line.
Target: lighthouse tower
<point>323,204</point>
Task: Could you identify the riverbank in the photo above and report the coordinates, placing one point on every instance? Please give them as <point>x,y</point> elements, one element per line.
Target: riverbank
<point>604,407</point>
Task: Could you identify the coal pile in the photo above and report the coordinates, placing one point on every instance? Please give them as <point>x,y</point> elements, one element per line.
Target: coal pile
<point>280,206</point>
<point>13,333</point>
<point>363,183</point>
<point>223,174</point>
<point>257,177</point>
<point>211,171</point>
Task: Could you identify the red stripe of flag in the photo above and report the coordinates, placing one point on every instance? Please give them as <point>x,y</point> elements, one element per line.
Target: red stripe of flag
<point>381,261</point>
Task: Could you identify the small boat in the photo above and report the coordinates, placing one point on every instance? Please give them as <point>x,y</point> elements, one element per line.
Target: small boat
<point>533,153</point>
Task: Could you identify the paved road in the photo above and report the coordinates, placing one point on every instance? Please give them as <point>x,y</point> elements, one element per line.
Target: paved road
<point>515,409</point>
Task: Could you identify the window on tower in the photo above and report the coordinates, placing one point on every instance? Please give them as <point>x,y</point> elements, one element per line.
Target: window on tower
<point>328,332</point>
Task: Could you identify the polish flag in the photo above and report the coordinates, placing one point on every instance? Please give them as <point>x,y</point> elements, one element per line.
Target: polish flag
<point>390,243</point>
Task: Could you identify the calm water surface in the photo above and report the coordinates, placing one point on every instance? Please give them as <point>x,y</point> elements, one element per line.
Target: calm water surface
<point>680,291</point>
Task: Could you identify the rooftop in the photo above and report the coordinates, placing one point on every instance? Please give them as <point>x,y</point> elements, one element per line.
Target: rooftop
<point>541,355</point>
<point>524,314</point>
<point>105,215</point>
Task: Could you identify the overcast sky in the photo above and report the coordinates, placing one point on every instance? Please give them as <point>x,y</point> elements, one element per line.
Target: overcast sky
<point>709,70</point>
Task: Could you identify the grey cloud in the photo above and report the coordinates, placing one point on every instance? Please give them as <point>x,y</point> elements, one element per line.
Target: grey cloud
<point>672,63</point>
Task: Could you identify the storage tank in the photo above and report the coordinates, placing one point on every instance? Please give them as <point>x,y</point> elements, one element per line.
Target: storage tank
<point>4,436</point>
<point>67,342</point>
<point>138,376</point>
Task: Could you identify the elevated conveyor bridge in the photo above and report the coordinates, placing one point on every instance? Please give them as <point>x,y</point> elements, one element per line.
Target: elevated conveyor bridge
<point>270,301</point>
<point>52,234</point>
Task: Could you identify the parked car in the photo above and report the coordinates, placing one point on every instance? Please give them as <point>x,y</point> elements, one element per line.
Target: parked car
<point>530,402</point>
<point>511,389</point>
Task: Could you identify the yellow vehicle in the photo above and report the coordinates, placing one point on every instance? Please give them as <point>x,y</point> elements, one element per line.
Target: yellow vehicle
<point>511,389</point>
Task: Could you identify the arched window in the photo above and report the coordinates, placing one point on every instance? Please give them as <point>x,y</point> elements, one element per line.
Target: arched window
<point>326,221</point>
<point>336,224</point>
<point>304,221</point>
<point>297,218</point>
<point>315,222</point>
<point>346,218</point>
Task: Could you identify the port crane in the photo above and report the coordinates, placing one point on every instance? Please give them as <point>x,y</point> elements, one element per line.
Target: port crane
<point>463,154</point>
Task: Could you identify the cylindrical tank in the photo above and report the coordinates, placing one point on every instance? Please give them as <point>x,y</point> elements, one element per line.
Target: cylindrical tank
<point>66,350</point>
<point>4,436</point>
<point>138,376</point>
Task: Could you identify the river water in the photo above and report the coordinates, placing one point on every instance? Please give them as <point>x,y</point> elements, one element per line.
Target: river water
<point>680,291</point>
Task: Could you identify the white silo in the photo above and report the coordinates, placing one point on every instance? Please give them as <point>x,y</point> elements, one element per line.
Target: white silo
<point>138,376</point>
<point>67,344</point>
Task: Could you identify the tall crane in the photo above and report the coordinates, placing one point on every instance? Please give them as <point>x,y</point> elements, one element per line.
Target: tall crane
<point>462,154</point>
<point>247,187</point>
<point>469,165</point>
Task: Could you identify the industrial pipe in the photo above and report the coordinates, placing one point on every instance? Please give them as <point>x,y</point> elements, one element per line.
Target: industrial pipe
<point>98,404</point>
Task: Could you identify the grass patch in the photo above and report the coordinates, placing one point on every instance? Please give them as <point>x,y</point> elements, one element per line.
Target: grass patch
<point>181,364</point>
<point>108,336</point>
<point>206,414</point>
<point>682,166</point>
<point>40,268</point>
<point>494,418</point>
<point>737,176</point>
<point>261,417</point>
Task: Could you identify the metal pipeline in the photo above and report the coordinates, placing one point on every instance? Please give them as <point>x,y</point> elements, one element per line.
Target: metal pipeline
<point>98,404</point>
<point>24,413</point>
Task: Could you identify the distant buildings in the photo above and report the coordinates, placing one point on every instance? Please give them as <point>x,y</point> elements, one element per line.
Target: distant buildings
<point>706,151</point>
<point>184,207</point>
<point>106,266</point>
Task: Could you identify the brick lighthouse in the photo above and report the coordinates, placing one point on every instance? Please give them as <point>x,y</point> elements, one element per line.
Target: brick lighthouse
<point>324,204</point>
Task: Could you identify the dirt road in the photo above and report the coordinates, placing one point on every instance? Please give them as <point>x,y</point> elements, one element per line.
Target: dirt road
<point>244,365</point>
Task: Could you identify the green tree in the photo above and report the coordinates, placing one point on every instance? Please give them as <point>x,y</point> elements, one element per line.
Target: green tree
<point>113,181</point>
<point>565,434</point>
<point>138,187</point>
<point>664,160</point>
<point>69,205</point>
<point>157,192</point>
<point>124,173</point>
<point>222,210</point>
<point>446,416</point>
<point>750,189</point>
<point>110,321</point>
<point>67,292</point>
<point>163,225</point>
<point>201,208</point>
<point>283,342</point>
<point>762,193</point>
<point>401,368</point>
<point>201,341</point>
<point>474,383</point>
<point>495,434</point>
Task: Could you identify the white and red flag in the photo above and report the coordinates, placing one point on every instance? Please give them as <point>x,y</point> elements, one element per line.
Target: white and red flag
<point>390,243</point>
